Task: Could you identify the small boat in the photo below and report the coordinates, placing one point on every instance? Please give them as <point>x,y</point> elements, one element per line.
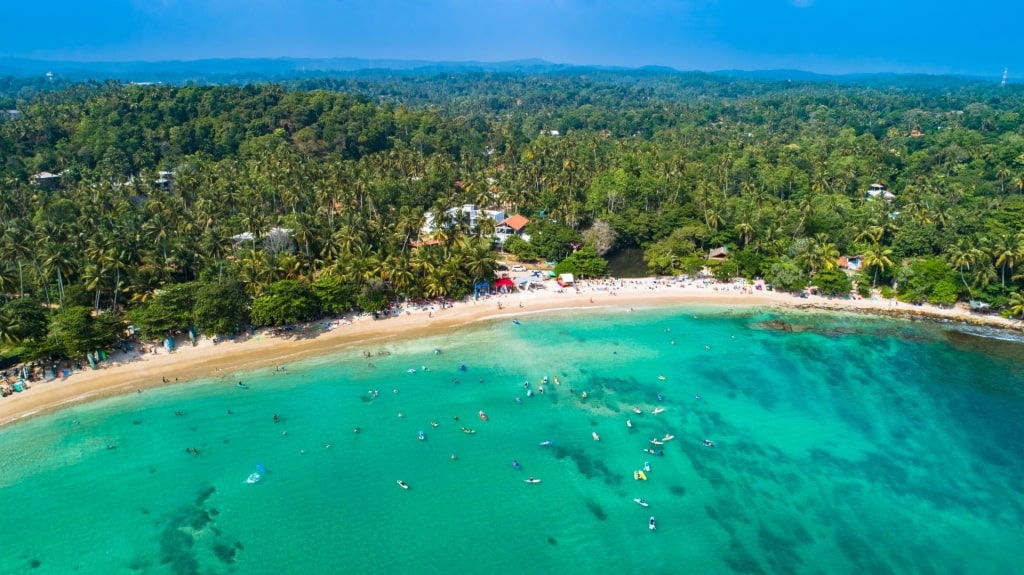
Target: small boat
<point>241,385</point>
<point>253,478</point>
<point>657,452</point>
<point>658,410</point>
<point>403,484</point>
<point>656,441</point>
<point>482,415</point>
<point>595,436</point>
<point>517,322</point>
<point>639,475</point>
<point>647,466</point>
<point>637,411</point>
<point>650,524</point>
<point>532,480</point>
<point>468,430</point>
<point>422,435</point>
<point>640,502</point>
<point>545,443</point>
<point>629,423</point>
<point>668,437</point>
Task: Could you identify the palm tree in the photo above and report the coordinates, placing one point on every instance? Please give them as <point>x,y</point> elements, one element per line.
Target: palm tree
<point>1005,252</point>
<point>8,330</point>
<point>877,257</point>
<point>1016,304</point>
<point>962,255</point>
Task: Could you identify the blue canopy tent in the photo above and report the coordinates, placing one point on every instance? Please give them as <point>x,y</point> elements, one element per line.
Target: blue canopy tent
<point>482,286</point>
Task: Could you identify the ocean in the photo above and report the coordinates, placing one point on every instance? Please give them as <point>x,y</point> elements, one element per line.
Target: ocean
<point>839,444</point>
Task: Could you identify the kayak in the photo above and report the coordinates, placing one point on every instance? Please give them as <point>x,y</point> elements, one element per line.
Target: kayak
<point>532,480</point>
<point>640,502</point>
<point>595,436</point>
<point>629,423</point>
<point>668,437</point>
<point>650,524</point>
<point>483,415</point>
<point>639,475</point>
<point>658,410</point>
<point>402,484</point>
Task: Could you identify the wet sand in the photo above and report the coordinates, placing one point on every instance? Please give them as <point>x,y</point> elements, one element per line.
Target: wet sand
<point>131,372</point>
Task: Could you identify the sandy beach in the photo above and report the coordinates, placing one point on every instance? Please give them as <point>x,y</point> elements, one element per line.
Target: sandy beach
<point>132,372</point>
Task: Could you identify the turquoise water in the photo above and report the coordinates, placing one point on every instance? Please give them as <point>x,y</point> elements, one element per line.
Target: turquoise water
<point>851,445</point>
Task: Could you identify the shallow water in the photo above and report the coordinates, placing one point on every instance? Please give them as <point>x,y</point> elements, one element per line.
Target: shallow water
<point>854,445</point>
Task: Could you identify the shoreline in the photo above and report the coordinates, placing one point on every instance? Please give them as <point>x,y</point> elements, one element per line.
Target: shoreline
<point>131,372</point>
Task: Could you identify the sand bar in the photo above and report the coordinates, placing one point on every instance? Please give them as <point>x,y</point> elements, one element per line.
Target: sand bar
<point>131,372</point>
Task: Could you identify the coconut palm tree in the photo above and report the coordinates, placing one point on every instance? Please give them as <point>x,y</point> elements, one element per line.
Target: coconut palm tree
<point>879,258</point>
<point>1016,304</point>
<point>963,254</point>
<point>8,330</point>
<point>1005,251</point>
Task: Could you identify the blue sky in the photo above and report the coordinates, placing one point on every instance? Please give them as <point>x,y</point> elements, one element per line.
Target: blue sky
<point>831,36</point>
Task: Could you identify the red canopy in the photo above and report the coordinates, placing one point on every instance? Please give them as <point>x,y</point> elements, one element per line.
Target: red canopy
<point>505,282</point>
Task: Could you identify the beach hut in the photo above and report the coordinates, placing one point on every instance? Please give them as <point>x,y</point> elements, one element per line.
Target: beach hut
<point>721,253</point>
<point>566,280</point>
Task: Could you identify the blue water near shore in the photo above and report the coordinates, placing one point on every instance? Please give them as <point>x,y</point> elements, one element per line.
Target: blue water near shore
<point>848,445</point>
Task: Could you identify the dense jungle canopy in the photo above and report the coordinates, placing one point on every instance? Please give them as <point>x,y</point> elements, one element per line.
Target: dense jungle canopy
<point>217,206</point>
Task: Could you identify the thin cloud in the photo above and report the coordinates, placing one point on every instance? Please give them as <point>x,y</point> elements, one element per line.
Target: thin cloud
<point>801,3</point>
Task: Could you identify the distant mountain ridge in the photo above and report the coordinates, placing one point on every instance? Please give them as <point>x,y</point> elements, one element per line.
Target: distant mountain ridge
<point>270,69</point>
